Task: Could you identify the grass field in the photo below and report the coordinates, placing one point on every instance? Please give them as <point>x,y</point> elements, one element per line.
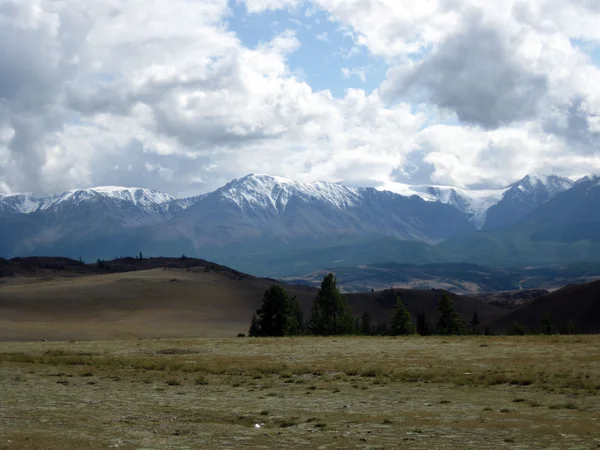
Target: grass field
<point>434,393</point>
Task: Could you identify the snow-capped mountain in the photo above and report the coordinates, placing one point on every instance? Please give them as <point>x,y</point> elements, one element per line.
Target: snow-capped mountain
<point>523,197</point>
<point>266,207</point>
<point>474,203</point>
<point>259,214</point>
<point>264,192</point>
<point>142,198</point>
<point>492,208</point>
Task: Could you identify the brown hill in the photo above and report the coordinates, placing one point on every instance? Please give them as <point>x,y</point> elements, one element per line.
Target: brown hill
<point>59,298</point>
<point>37,266</point>
<point>380,304</point>
<point>579,303</point>
<point>167,302</point>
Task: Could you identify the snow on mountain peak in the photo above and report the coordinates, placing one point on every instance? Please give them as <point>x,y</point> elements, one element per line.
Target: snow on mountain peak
<point>26,203</point>
<point>473,202</point>
<point>266,191</point>
<point>552,183</point>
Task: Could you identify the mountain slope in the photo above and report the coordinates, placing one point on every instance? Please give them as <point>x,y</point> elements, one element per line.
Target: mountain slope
<point>563,229</point>
<point>579,303</point>
<point>473,203</point>
<point>142,198</point>
<point>523,197</point>
<point>274,226</point>
<point>260,207</point>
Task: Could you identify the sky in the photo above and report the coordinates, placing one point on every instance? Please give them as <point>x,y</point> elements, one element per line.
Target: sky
<point>184,95</point>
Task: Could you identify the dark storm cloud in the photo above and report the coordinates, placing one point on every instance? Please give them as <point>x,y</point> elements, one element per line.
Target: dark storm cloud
<point>573,125</point>
<point>477,75</point>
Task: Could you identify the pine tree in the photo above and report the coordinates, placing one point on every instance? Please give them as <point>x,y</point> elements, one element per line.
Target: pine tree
<point>401,324</point>
<point>296,318</point>
<point>254,330</point>
<point>424,325</point>
<point>382,329</point>
<point>448,323</point>
<point>518,329</point>
<point>547,326</point>
<point>273,316</point>
<point>475,323</point>
<point>330,313</point>
<point>365,324</point>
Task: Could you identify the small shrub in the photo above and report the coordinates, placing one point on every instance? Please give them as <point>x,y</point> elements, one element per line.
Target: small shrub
<point>286,423</point>
<point>201,380</point>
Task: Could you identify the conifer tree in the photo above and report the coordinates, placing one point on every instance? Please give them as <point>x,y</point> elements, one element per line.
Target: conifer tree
<point>401,324</point>
<point>330,313</point>
<point>547,326</point>
<point>448,323</point>
<point>273,316</point>
<point>518,329</point>
<point>365,324</point>
<point>296,318</point>
<point>254,330</point>
<point>424,325</point>
<point>382,329</point>
<point>475,323</point>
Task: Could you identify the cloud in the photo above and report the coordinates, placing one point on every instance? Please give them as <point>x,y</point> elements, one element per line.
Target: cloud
<point>165,95</point>
<point>359,72</point>
<point>475,73</point>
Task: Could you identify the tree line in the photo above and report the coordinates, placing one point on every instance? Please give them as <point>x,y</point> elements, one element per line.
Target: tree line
<point>546,327</point>
<point>330,314</point>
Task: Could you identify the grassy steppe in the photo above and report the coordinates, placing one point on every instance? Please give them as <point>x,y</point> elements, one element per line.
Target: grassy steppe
<point>460,392</point>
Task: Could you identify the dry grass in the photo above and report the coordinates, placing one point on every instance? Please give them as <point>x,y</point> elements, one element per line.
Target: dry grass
<point>148,304</point>
<point>518,392</point>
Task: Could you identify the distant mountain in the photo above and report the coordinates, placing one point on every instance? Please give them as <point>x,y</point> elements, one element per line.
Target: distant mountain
<point>270,225</point>
<point>473,203</point>
<point>259,207</point>
<point>524,196</point>
<point>564,229</point>
<point>256,213</point>
<point>85,222</point>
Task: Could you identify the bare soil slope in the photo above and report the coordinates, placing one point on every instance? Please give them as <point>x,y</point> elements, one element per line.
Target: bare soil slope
<point>149,303</point>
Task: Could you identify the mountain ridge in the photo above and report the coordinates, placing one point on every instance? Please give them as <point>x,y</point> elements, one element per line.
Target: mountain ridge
<point>259,218</point>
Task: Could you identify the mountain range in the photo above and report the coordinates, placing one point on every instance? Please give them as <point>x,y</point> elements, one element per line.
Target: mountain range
<point>270,225</point>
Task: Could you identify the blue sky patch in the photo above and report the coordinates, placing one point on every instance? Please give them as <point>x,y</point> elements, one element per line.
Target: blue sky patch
<point>327,58</point>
